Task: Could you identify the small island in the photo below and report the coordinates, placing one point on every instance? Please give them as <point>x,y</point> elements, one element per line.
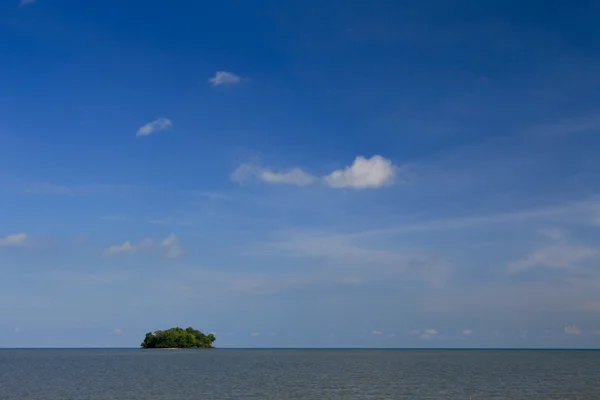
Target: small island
<point>178,338</point>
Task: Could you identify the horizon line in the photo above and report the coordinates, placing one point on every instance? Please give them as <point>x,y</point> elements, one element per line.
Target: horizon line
<point>313,348</point>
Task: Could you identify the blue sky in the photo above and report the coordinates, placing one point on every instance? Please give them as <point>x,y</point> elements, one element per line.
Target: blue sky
<point>373,174</point>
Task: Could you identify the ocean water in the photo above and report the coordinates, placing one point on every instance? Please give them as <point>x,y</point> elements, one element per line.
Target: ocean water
<point>225,374</point>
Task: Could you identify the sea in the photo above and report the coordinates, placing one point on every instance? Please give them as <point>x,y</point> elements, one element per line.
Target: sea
<point>233,374</point>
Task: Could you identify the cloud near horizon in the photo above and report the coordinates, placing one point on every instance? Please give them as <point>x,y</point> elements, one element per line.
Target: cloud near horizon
<point>429,334</point>
<point>157,125</point>
<point>364,173</point>
<point>573,330</point>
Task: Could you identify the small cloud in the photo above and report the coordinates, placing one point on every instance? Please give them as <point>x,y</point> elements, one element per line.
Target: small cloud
<point>255,334</point>
<point>467,332</point>
<point>17,329</point>
<point>171,243</point>
<point>364,173</point>
<point>26,2</point>
<point>572,330</point>
<point>593,305</point>
<point>295,176</point>
<point>158,125</point>
<point>128,248</point>
<point>161,221</point>
<point>14,240</point>
<point>429,334</point>
<point>552,233</point>
<point>115,218</point>
<point>224,78</point>
<point>376,332</point>
<point>117,331</point>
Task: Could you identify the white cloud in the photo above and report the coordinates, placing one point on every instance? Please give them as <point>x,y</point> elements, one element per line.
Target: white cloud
<point>255,334</point>
<point>16,239</point>
<point>467,332</point>
<point>364,173</point>
<point>375,332</point>
<point>128,248</point>
<point>572,330</point>
<point>117,331</point>
<point>560,256</point>
<point>429,334</point>
<point>224,78</point>
<point>171,243</point>
<point>155,126</point>
<point>295,176</point>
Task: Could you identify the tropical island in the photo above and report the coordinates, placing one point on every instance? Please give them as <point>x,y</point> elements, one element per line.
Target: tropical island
<point>178,338</point>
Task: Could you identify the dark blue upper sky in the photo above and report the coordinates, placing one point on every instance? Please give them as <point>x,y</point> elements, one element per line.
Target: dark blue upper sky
<point>333,173</point>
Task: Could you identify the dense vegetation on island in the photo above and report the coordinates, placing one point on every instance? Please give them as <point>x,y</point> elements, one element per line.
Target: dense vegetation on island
<point>178,338</point>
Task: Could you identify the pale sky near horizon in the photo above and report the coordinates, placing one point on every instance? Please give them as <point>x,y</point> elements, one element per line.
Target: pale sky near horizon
<point>321,174</point>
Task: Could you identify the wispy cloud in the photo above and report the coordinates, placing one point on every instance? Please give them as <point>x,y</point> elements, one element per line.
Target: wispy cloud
<point>586,212</point>
<point>364,173</point>
<point>467,332</point>
<point>352,262</point>
<point>224,78</point>
<point>429,334</point>
<point>51,189</point>
<point>553,233</point>
<point>128,248</point>
<point>13,240</point>
<point>26,2</point>
<point>573,330</point>
<point>376,332</point>
<point>170,245</point>
<point>158,125</point>
<point>295,176</point>
<point>118,331</point>
<point>559,256</point>
<point>569,126</point>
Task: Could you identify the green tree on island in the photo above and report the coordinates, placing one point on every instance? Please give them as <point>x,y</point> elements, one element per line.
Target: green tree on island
<point>178,338</point>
